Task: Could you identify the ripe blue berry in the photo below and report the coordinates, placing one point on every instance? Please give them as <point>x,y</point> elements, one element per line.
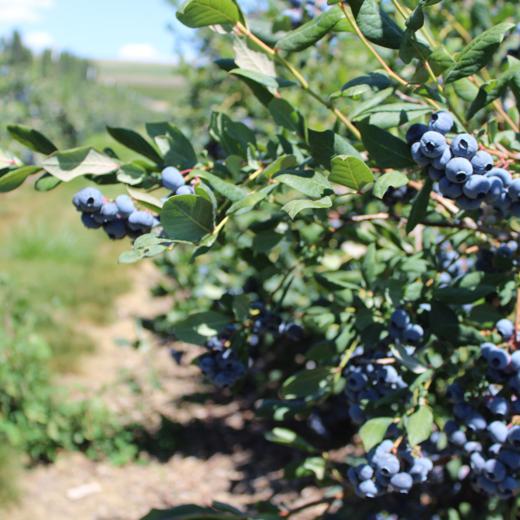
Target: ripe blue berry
<point>459,170</point>
<point>513,437</point>
<point>482,162</point>
<point>498,358</point>
<point>494,470</point>
<point>88,200</point>
<point>441,161</point>
<point>502,174</point>
<point>400,318</point>
<point>89,221</point>
<point>464,145</point>
<point>115,229</point>
<point>368,489</point>
<point>402,482</point>
<point>433,144</point>
<point>141,221</point>
<point>172,179</point>
<point>388,464</point>
<point>498,431</point>
<point>449,189</point>
<point>417,154</point>
<point>415,132</point>
<point>124,205</point>
<point>185,190</point>
<point>468,204</point>
<point>505,328</point>
<point>477,187</point>
<point>441,122</point>
<point>108,211</point>
<point>365,472</point>
<point>514,190</point>
<point>413,334</point>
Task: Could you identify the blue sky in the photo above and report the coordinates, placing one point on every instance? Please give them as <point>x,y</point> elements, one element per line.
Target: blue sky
<point>100,29</point>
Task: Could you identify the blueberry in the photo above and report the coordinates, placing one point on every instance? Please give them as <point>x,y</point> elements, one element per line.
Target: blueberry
<point>498,431</point>
<point>486,349</point>
<point>494,470</point>
<point>459,170</point>
<point>477,462</point>
<point>368,489</point>
<point>505,328</point>
<point>482,162</point>
<point>172,178</point>
<point>476,422</point>
<point>441,122</point>
<point>441,162</point>
<point>141,221</point>
<point>468,204</point>
<point>455,393</point>
<point>356,381</point>
<point>402,482</point>
<point>472,446</point>
<point>352,476</point>
<point>514,190</point>
<point>415,132</point>
<point>115,229</point>
<point>513,437</point>
<point>449,189</point>
<point>124,205</point>
<point>365,472</point>
<point>390,374</point>
<point>89,221</point>
<point>413,334</point>
<point>185,190</point>
<point>385,447</point>
<point>464,145</point>
<point>487,485</point>
<point>499,405</point>
<point>433,144</point>
<point>88,200</point>
<point>477,187</point>
<point>458,437</point>
<point>418,156</point>
<point>108,211</point>
<point>387,463</point>
<point>434,174</point>
<point>420,469</point>
<point>508,487</point>
<point>515,361</point>
<point>498,358</point>
<point>510,458</point>
<point>496,188</point>
<point>400,318</point>
<point>502,174</point>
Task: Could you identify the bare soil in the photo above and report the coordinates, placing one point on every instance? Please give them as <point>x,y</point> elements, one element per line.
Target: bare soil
<point>194,452</point>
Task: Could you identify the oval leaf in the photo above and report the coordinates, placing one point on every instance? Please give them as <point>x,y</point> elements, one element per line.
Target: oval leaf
<point>351,172</point>
<point>201,13</point>
<point>373,431</point>
<point>419,425</point>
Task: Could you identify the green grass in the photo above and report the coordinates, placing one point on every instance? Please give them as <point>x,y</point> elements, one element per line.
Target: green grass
<point>68,274</point>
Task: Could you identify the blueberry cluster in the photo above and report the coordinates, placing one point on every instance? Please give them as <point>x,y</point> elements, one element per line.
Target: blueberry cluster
<point>222,364</point>
<point>389,469</point>
<point>402,330</point>
<point>497,259</point>
<point>303,10</point>
<point>119,218</point>
<point>173,180</point>
<point>369,379</point>
<point>463,173</point>
<point>452,263</point>
<point>483,427</point>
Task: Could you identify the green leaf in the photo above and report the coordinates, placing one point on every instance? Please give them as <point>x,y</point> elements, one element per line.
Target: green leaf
<point>362,84</point>
<point>409,361</point>
<point>419,425</point>
<point>131,174</point>
<point>187,218</point>
<point>393,114</point>
<point>147,200</point>
<point>389,180</point>
<point>77,162</point>
<point>135,142</point>
<point>289,438</point>
<point>285,115</point>
<point>311,183</point>
<point>46,183</point>
<point>369,265</point>
<point>373,431</point>
<point>32,139</point>
<point>230,191</point>
<point>294,207</point>
<point>175,147</point>
<point>351,172</point>
<point>384,148</point>
<point>327,144</point>
<point>308,383</point>
<point>283,162</point>
<point>201,13</point>
<point>311,32</point>
<point>478,52</point>
<point>10,181</point>
<point>198,327</point>
<point>377,25</point>
<point>270,82</point>
<point>420,206</point>
<point>251,200</point>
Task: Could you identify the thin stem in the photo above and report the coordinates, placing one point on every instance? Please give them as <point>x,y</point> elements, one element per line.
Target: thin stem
<point>350,17</point>
<point>304,84</point>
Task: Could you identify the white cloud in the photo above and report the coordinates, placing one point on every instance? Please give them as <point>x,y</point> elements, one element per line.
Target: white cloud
<point>17,11</point>
<point>139,52</point>
<point>38,40</point>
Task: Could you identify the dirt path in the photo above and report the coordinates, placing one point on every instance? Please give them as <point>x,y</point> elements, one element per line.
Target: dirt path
<point>196,453</point>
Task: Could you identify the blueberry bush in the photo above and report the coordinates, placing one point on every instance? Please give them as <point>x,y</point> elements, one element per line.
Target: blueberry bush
<point>346,252</point>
